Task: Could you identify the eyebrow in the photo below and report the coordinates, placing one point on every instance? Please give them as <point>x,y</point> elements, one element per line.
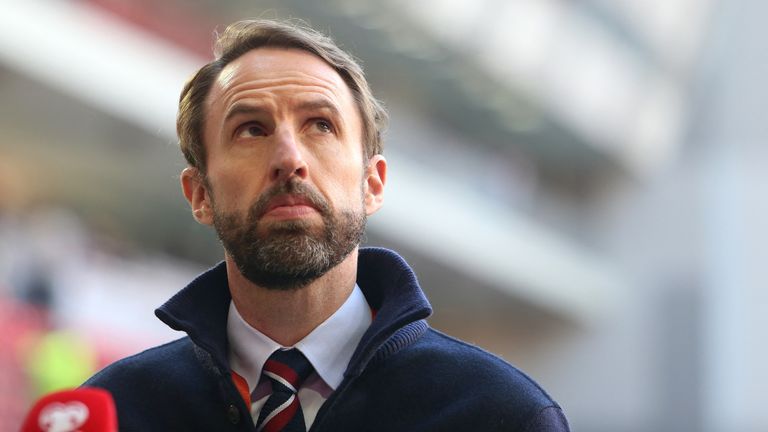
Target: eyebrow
<point>308,105</point>
<point>317,105</point>
<point>243,109</point>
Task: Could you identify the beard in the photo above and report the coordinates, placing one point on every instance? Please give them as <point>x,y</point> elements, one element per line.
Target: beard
<point>288,255</point>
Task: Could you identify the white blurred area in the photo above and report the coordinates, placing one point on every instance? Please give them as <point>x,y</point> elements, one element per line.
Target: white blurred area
<point>52,247</point>
<point>577,184</point>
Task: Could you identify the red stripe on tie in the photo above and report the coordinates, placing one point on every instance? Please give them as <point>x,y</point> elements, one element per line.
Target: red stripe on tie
<point>281,420</point>
<point>285,372</point>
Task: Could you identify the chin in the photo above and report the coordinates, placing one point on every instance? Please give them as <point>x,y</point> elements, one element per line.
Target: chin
<point>289,227</point>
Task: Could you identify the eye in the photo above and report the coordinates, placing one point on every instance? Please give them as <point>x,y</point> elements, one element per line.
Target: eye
<point>249,130</point>
<point>323,126</point>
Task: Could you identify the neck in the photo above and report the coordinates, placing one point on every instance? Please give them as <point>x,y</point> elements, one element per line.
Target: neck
<point>288,316</point>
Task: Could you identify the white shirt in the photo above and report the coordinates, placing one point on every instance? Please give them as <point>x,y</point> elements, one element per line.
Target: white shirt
<point>329,347</point>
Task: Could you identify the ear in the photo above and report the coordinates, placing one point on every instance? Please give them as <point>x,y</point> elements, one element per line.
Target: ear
<point>197,195</point>
<point>375,179</point>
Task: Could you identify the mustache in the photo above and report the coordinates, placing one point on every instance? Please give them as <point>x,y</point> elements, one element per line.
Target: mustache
<point>290,187</point>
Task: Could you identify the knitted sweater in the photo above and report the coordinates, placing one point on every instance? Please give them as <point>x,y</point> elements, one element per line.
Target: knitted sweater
<point>403,376</point>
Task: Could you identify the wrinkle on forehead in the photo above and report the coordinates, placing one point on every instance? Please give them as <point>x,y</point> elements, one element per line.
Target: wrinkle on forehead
<point>278,70</point>
<point>238,75</point>
<point>268,87</point>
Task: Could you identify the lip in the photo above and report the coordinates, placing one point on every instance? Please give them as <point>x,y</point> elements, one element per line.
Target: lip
<point>289,206</point>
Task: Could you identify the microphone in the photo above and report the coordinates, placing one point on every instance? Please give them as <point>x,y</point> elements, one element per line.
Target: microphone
<point>86,409</point>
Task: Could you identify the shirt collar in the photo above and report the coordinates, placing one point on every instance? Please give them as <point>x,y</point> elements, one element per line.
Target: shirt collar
<point>329,347</point>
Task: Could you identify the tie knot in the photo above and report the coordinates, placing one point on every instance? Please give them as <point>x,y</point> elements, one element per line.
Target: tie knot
<point>288,368</point>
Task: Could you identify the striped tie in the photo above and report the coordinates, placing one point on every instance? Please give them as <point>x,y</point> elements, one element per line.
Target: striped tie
<point>286,369</point>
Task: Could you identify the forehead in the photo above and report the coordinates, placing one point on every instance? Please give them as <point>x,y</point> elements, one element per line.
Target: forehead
<point>275,72</point>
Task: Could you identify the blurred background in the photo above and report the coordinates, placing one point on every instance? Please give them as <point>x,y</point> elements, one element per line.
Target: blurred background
<point>577,184</point>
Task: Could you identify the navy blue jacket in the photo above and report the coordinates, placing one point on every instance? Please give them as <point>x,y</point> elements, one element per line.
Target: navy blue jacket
<point>404,376</point>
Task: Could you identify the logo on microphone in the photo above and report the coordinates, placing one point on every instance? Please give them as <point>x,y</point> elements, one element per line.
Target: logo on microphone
<point>63,417</point>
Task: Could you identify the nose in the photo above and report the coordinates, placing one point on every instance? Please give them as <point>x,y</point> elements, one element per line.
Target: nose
<point>287,159</point>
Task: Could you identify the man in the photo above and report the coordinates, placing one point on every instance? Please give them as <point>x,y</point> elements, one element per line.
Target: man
<point>298,329</point>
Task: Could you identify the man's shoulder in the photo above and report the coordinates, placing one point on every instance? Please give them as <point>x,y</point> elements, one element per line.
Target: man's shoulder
<point>470,388</point>
<point>474,366</point>
<point>151,368</point>
<point>169,387</point>
<point>481,382</point>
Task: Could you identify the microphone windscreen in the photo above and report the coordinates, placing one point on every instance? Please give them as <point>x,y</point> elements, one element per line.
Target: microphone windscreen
<point>86,409</point>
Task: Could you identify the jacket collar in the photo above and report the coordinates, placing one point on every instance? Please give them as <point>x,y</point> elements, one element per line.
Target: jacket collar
<point>388,283</point>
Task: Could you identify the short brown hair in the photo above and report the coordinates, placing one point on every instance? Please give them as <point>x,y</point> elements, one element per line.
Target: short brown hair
<point>243,36</point>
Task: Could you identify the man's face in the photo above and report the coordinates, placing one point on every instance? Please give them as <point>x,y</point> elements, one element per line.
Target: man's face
<point>286,183</point>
